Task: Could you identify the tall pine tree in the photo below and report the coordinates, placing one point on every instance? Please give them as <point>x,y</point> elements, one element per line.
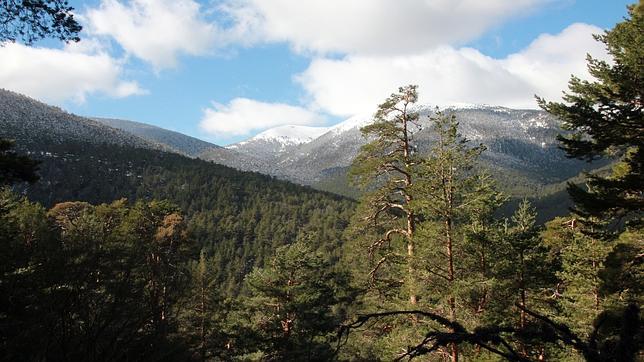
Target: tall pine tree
<point>451,193</point>
<point>606,119</point>
<point>385,169</point>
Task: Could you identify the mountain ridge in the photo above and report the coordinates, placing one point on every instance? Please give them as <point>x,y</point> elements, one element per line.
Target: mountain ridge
<point>179,142</point>
<point>23,118</point>
<point>521,142</point>
<point>522,150</point>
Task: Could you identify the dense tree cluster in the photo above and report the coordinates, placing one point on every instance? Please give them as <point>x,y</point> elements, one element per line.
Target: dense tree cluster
<point>477,286</point>
<point>85,282</point>
<point>606,117</point>
<point>446,276</point>
<point>238,218</point>
<point>131,254</point>
<point>120,280</point>
<point>14,167</point>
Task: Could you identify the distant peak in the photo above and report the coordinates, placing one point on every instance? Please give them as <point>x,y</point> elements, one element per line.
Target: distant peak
<point>357,121</point>
<point>290,134</point>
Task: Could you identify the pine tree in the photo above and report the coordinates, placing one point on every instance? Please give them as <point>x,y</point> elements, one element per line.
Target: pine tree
<point>385,169</point>
<point>582,258</point>
<point>291,305</point>
<point>450,193</point>
<point>525,273</point>
<point>156,231</point>
<point>30,21</point>
<point>414,220</point>
<point>204,311</point>
<point>528,258</point>
<point>606,118</point>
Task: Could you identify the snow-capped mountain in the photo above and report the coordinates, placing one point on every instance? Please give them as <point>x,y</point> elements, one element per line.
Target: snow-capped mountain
<point>521,145</point>
<point>273,143</point>
<point>289,135</point>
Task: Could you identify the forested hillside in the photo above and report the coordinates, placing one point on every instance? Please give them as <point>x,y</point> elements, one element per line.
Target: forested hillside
<point>239,217</point>
<point>115,247</point>
<point>175,141</point>
<point>29,121</point>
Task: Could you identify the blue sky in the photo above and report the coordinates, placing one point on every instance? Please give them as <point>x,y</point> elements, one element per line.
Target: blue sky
<point>223,71</point>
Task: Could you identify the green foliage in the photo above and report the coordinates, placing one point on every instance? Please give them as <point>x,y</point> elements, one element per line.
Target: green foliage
<point>606,117</point>
<point>595,275</point>
<point>383,246</point>
<point>599,247</point>
<point>241,266</point>
<point>238,218</point>
<point>293,307</point>
<point>385,168</point>
<point>83,283</point>
<point>203,312</point>
<point>456,201</point>
<point>426,225</point>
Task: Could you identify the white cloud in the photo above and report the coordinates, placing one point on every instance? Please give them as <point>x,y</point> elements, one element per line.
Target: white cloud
<point>448,75</point>
<point>369,26</point>
<point>156,31</point>
<point>60,74</point>
<point>550,60</point>
<point>242,116</point>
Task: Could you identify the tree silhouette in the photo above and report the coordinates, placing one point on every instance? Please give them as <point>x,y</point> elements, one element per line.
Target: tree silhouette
<point>32,20</point>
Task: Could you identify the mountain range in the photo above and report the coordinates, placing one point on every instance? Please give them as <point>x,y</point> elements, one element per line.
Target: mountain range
<point>522,150</point>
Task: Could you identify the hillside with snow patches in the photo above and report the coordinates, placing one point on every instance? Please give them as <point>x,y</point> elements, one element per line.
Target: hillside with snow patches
<point>30,123</point>
<point>521,146</point>
<point>273,143</point>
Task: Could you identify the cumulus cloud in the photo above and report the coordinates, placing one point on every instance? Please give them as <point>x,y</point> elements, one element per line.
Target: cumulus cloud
<point>60,74</point>
<point>369,26</point>
<point>550,60</point>
<point>156,31</point>
<point>242,116</point>
<point>448,75</point>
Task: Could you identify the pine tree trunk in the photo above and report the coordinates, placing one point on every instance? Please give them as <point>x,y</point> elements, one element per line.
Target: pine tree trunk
<point>522,315</point>
<point>202,347</point>
<point>451,277</point>
<point>413,298</point>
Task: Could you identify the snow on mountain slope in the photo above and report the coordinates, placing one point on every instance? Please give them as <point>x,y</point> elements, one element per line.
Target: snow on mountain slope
<point>178,142</point>
<point>270,145</point>
<point>291,134</point>
<point>518,141</point>
<point>284,135</point>
<point>32,123</point>
<point>355,122</point>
